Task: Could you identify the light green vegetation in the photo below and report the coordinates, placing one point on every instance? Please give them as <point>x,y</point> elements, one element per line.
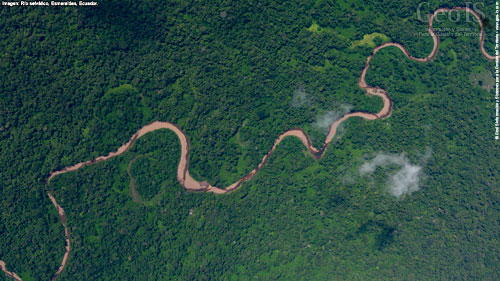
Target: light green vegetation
<point>369,40</point>
<point>316,28</point>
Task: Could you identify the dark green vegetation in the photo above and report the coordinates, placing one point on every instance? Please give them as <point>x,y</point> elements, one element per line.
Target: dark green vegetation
<point>77,83</point>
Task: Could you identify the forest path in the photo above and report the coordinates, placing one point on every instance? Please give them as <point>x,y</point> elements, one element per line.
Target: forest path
<point>182,169</point>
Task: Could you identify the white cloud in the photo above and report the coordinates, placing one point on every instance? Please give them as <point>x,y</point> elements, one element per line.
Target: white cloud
<point>407,178</point>
<point>300,97</point>
<point>323,121</point>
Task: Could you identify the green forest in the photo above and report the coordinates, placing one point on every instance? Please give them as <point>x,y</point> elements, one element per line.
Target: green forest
<point>77,82</point>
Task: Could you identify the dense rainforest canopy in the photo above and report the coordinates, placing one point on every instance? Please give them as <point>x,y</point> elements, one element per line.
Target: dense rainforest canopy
<point>76,83</point>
